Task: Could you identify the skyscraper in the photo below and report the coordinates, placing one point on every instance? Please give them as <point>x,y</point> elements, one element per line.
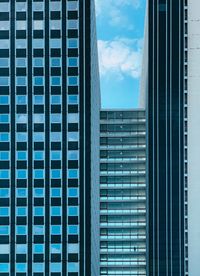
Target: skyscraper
<point>167,138</point>
<point>49,129</point>
<point>192,76</point>
<point>123,192</point>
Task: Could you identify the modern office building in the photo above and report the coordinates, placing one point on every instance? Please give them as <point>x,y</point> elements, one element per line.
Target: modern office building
<point>49,129</point>
<point>122,192</point>
<point>192,76</point>
<point>167,129</point>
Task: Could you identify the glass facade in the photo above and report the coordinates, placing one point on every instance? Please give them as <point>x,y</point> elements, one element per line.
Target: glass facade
<point>167,138</point>
<point>42,113</point>
<point>123,192</point>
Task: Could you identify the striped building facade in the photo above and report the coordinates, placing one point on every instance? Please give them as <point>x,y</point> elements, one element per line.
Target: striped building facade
<point>122,192</point>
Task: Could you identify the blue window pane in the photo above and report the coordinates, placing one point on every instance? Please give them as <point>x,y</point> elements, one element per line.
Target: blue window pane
<point>38,229</point>
<point>4,155</point>
<point>38,211</point>
<point>73,136</point>
<point>38,81</point>
<point>55,99</point>
<point>4,193</point>
<point>21,136</point>
<point>21,211</point>
<point>38,118</point>
<point>21,118</point>
<point>56,136</point>
<point>72,24</point>
<point>21,267</point>
<point>55,173</point>
<point>4,99</point>
<point>21,99</point>
<point>21,43</point>
<point>21,62</point>
<point>4,137</point>
<point>73,248</point>
<point>4,44</point>
<point>55,62</point>
<point>56,211</point>
<point>38,267</point>
<point>38,137</point>
<point>38,62</point>
<point>56,248</point>
<point>38,248</point>
<point>73,155</point>
<point>4,267</point>
<point>38,192</point>
<point>72,6</point>
<point>38,43</point>
<point>73,267</point>
<point>55,192</point>
<point>5,174</point>
<point>56,118</point>
<point>21,229</point>
<point>73,192</point>
<point>72,81</point>
<point>73,211</point>
<point>55,267</point>
<point>4,118</point>
<point>4,81</point>
<point>73,118</point>
<point>72,62</point>
<point>4,249</point>
<point>55,80</point>
<point>73,229</point>
<point>21,81</point>
<point>38,174</point>
<point>73,43</point>
<point>73,99</point>
<point>55,155</point>
<point>4,62</point>
<point>21,155</point>
<point>55,43</point>
<point>38,99</point>
<point>21,192</point>
<point>22,174</point>
<point>56,229</point>
<point>4,211</point>
<point>21,248</point>
<point>72,173</point>
<point>4,230</point>
<point>38,155</point>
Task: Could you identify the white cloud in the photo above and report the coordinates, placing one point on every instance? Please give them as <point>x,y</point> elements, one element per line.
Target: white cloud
<point>117,18</point>
<point>103,5</point>
<point>114,10</point>
<point>120,57</point>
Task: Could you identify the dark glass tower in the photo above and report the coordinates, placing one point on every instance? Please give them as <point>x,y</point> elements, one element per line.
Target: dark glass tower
<point>49,129</point>
<point>167,93</point>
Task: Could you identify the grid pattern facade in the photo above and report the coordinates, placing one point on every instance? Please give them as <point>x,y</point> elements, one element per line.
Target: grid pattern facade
<point>122,192</point>
<point>167,138</point>
<point>42,120</point>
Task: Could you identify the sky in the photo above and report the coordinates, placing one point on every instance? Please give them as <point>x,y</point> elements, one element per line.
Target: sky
<point>120,31</point>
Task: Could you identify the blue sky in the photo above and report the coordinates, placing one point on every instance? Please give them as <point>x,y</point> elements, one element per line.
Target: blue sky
<point>120,31</point>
